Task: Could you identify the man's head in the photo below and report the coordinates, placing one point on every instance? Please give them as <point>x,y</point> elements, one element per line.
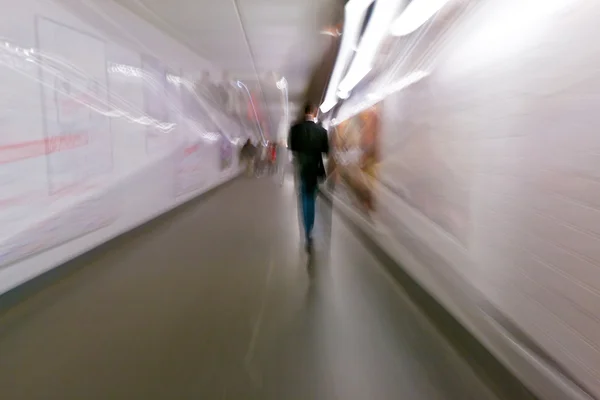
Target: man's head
<point>310,111</point>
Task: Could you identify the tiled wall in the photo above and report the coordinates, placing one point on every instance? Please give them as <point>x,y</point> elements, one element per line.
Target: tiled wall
<point>497,152</point>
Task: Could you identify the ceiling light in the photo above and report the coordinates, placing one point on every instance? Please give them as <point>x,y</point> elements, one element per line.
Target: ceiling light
<point>354,12</point>
<point>375,97</point>
<point>354,76</point>
<point>327,105</point>
<point>417,13</point>
<point>376,30</point>
<point>282,84</point>
<point>343,94</point>
<point>333,32</point>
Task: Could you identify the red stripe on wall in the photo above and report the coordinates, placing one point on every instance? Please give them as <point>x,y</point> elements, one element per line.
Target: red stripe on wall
<point>36,148</point>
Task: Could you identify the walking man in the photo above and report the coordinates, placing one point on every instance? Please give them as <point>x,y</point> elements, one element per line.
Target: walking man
<point>308,141</point>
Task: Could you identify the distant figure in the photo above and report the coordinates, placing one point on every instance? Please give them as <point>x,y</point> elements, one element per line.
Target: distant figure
<point>308,141</point>
<point>248,154</point>
<point>273,157</point>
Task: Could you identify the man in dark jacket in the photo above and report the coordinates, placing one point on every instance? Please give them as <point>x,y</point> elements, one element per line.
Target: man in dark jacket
<point>308,141</point>
<point>247,154</point>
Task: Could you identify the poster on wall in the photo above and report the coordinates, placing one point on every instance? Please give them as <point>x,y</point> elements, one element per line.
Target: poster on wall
<point>236,100</point>
<point>197,108</point>
<point>226,153</point>
<point>155,93</point>
<point>213,94</point>
<point>188,170</point>
<point>354,161</point>
<point>174,96</point>
<point>236,106</point>
<point>75,99</point>
<point>66,163</point>
<point>196,163</point>
<point>23,170</point>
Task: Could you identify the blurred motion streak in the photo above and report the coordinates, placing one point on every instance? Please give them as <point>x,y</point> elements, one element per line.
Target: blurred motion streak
<point>82,116</point>
<point>463,137</point>
<point>481,173</point>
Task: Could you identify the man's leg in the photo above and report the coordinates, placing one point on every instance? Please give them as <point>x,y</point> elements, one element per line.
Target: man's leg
<point>304,206</point>
<point>311,211</point>
<point>308,210</point>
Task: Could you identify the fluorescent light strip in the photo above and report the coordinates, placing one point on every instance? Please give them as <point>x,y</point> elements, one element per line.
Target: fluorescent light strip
<point>332,33</point>
<point>417,13</point>
<point>378,96</point>
<point>377,30</point>
<point>343,95</point>
<point>357,72</point>
<point>404,52</point>
<point>327,105</point>
<point>353,14</point>
<point>282,84</point>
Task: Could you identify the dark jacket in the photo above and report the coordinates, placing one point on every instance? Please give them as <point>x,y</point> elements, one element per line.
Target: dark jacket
<point>247,151</point>
<point>308,141</point>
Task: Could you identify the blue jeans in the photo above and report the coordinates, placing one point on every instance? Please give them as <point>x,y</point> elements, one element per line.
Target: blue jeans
<point>308,196</point>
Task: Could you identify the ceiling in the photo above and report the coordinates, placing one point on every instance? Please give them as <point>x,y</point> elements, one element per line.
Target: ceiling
<point>255,41</point>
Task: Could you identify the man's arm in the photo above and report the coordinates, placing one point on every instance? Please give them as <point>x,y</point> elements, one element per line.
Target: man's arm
<point>325,140</point>
<point>292,139</point>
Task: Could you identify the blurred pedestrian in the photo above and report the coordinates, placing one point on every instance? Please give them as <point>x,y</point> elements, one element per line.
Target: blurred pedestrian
<point>247,154</point>
<point>308,141</point>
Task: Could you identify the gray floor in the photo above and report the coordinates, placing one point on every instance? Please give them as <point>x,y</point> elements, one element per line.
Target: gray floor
<point>218,301</point>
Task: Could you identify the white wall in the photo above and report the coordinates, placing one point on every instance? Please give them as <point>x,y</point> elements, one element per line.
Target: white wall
<point>94,141</point>
<point>489,184</point>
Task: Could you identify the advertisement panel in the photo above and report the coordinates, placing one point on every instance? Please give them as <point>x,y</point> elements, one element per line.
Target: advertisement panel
<point>226,152</point>
<point>73,73</point>
<point>354,161</point>
<point>57,173</point>
<point>23,169</point>
<point>155,104</point>
<point>193,107</point>
<point>174,96</point>
<point>196,163</point>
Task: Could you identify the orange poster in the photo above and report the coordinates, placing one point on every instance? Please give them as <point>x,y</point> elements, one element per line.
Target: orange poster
<point>354,162</point>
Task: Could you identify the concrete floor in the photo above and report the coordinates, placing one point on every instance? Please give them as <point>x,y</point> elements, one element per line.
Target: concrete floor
<point>218,300</point>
